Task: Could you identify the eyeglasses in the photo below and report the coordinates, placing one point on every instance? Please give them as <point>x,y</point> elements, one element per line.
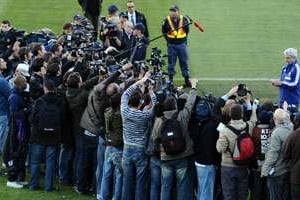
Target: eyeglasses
<point>130,6</point>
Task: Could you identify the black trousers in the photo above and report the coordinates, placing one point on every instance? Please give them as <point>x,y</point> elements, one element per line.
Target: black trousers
<point>295,191</point>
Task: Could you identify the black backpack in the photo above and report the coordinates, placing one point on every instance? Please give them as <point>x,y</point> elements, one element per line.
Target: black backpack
<point>49,117</point>
<point>172,138</point>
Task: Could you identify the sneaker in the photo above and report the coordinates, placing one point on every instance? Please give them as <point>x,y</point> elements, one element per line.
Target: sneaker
<point>14,184</point>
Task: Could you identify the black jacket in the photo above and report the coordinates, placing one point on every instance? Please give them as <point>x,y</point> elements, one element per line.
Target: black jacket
<point>36,86</point>
<point>78,99</point>
<point>36,135</point>
<point>93,117</point>
<point>205,139</point>
<point>91,6</point>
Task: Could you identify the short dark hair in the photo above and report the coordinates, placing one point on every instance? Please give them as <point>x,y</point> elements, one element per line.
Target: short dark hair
<point>54,48</point>
<point>47,57</point>
<point>49,85</point>
<point>36,49</point>
<point>236,112</point>
<point>73,80</point>
<point>37,64</point>
<point>53,69</point>
<point>135,99</point>
<point>6,22</point>
<point>24,51</point>
<point>170,103</point>
<point>67,26</point>
<point>56,60</point>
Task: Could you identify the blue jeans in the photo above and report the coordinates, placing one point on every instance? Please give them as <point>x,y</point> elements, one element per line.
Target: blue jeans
<point>177,169</point>
<point>3,131</point>
<point>155,184</point>
<point>37,153</point>
<point>234,182</point>
<point>135,168</point>
<point>65,158</point>
<point>100,163</point>
<point>180,51</point>
<point>112,172</point>
<point>206,175</point>
<point>77,158</point>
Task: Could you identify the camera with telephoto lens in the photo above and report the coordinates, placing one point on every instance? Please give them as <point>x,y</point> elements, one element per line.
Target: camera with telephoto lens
<point>242,90</point>
<point>156,58</point>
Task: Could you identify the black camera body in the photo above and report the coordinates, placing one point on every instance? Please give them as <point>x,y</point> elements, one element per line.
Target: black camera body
<point>242,90</point>
<point>156,58</point>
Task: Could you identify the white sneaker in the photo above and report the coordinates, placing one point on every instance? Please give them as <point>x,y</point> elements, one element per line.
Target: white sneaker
<point>14,184</point>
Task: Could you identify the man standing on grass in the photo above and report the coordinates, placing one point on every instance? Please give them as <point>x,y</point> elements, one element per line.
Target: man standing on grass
<point>175,29</point>
<point>4,108</point>
<point>92,10</point>
<point>289,84</point>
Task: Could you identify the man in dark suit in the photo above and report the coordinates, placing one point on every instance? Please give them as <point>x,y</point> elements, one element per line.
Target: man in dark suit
<point>136,17</point>
<point>92,10</point>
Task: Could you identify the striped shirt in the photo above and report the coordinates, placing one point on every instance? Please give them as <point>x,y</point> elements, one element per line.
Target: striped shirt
<point>135,122</point>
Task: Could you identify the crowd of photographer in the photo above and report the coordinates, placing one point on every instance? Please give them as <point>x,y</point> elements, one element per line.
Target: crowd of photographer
<point>121,130</point>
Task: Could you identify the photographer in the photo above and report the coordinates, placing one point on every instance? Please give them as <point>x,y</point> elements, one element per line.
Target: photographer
<point>175,158</point>
<point>94,124</point>
<point>135,125</point>
<point>7,39</point>
<point>234,177</point>
<point>139,43</point>
<point>36,79</point>
<point>77,98</point>
<point>112,35</point>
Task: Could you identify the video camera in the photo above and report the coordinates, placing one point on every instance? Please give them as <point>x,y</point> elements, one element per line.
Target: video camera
<point>156,58</point>
<point>40,36</point>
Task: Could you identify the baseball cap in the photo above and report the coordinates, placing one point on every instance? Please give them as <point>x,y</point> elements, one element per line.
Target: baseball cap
<point>174,8</point>
<point>112,9</point>
<point>139,26</point>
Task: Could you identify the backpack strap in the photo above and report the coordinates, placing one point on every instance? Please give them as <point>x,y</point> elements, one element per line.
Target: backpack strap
<point>238,132</point>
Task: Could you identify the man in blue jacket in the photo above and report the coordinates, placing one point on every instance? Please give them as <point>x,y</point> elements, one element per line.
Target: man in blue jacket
<point>4,111</point>
<point>289,84</point>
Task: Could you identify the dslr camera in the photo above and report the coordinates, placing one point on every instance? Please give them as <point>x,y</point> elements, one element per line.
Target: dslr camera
<point>242,90</point>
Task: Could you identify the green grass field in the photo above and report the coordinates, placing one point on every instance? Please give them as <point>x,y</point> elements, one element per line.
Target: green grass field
<point>242,39</point>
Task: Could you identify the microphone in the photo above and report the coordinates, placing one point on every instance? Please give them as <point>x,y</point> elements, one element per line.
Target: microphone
<point>196,24</point>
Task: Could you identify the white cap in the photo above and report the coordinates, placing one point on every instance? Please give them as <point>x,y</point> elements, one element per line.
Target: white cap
<point>24,69</point>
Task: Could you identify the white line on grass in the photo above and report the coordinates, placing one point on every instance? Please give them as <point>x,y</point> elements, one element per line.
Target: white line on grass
<point>229,79</point>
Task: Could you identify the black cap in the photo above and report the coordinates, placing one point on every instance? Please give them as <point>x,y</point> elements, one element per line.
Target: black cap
<point>139,26</point>
<point>174,8</point>
<point>112,9</point>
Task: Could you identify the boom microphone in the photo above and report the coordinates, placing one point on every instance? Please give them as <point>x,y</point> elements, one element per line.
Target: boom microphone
<point>196,24</point>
